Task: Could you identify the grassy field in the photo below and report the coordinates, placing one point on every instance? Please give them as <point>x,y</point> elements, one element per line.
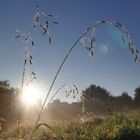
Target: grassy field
<point>117,127</point>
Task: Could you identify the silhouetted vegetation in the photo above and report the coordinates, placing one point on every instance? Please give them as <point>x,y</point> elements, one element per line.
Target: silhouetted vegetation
<point>7,99</point>
<point>137,97</point>
<point>98,102</point>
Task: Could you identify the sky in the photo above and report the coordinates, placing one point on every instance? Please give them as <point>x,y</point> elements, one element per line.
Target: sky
<point>112,65</point>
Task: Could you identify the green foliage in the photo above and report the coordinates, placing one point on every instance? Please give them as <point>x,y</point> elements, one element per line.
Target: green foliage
<point>118,128</point>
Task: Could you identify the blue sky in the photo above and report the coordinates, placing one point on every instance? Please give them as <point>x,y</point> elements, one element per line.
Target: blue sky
<point>112,66</point>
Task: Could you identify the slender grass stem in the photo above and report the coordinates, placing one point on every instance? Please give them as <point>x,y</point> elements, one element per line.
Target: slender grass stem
<point>55,94</point>
<point>23,73</point>
<point>55,77</point>
<point>22,84</point>
<point>115,24</point>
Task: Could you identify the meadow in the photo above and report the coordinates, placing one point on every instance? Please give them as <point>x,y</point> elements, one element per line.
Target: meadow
<point>116,127</point>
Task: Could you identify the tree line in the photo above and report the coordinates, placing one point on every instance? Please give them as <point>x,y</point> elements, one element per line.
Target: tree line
<point>97,100</point>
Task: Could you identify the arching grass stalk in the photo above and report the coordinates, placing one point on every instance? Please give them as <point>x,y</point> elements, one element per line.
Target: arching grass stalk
<point>55,94</point>
<point>55,77</point>
<point>44,124</point>
<point>90,45</point>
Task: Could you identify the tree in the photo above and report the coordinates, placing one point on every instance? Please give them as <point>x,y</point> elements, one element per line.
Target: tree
<point>7,98</point>
<point>96,99</point>
<point>125,99</point>
<point>137,97</point>
<point>96,92</point>
<point>4,83</point>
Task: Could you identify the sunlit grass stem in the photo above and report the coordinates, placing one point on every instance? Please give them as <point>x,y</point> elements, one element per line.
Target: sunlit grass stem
<point>22,84</point>
<point>55,77</point>
<point>115,24</point>
<point>55,94</point>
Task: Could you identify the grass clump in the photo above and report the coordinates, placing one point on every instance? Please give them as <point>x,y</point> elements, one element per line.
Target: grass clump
<point>118,128</point>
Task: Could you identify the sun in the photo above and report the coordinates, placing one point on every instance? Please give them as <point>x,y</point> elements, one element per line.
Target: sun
<point>30,95</point>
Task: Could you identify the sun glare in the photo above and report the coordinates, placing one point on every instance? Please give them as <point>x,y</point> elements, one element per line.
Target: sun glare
<point>30,95</point>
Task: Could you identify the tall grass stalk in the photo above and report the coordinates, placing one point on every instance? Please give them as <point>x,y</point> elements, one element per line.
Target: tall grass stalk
<point>55,94</point>
<point>125,34</point>
<point>55,77</point>
<point>22,85</point>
